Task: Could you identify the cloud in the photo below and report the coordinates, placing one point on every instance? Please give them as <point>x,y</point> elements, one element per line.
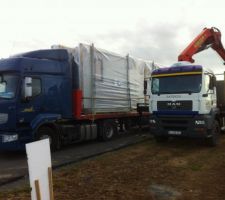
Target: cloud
<point>155,42</point>
<point>161,42</point>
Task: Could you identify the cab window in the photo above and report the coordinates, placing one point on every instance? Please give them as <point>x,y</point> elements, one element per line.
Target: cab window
<point>36,87</point>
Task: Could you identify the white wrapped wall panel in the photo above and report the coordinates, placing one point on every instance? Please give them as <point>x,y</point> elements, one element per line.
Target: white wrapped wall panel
<point>110,82</point>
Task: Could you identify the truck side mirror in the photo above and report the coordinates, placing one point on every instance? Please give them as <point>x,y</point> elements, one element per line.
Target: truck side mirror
<point>145,86</point>
<point>27,87</point>
<point>212,82</point>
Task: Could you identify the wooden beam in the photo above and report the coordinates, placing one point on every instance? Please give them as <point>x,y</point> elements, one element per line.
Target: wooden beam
<point>37,189</point>
<point>50,183</point>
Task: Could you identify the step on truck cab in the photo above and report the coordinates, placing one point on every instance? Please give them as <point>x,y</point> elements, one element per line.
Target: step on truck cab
<point>184,103</point>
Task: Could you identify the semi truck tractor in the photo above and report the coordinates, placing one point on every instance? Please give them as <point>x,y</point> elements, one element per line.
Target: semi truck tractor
<point>186,99</point>
<point>70,95</point>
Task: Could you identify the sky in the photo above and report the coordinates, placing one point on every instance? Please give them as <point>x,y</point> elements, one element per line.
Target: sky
<point>149,29</point>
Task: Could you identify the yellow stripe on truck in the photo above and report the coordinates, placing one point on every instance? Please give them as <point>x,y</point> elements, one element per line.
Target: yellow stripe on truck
<point>176,74</point>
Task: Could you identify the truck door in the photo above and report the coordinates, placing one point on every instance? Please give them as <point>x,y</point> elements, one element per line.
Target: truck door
<point>30,107</point>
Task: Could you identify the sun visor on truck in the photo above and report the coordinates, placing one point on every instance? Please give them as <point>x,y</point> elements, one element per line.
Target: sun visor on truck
<point>50,54</point>
<point>179,70</point>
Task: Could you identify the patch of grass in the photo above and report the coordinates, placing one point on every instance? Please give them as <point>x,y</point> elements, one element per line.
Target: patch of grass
<point>196,167</point>
<point>127,173</point>
<point>19,193</point>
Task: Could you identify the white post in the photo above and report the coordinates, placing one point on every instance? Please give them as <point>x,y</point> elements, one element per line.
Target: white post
<point>39,166</point>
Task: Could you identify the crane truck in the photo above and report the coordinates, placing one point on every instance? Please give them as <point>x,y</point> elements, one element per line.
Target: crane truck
<point>186,99</point>
<point>70,95</point>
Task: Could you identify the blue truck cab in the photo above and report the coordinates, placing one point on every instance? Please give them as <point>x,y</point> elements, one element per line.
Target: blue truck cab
<point>35,89</point>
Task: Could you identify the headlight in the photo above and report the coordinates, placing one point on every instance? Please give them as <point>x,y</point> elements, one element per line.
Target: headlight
<point>199,122</point>
<point>9,138</point>
<point>152,121</point>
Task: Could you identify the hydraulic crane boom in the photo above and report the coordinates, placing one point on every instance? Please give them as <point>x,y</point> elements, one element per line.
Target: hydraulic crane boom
<point>209,37</point>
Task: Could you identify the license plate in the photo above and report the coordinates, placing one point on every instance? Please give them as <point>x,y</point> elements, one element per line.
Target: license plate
<point>174,132</point>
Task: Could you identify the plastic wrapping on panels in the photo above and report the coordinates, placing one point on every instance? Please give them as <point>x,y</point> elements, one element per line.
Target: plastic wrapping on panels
<point>110,82</point>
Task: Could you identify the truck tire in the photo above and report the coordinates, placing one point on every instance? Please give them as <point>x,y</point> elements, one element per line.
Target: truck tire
<point>107,130</point>
<point>128,125</point>
<point>161,139</point>
<point>215,132</point>
<point>47,132</point>
<point>125,125</point>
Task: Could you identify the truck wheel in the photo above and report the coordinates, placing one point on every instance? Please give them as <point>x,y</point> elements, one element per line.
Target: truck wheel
<point>161,139</point>
<point>215,132</point>
<point>124,125</point>
<point>128,125</point>
<point>107,130</point>
<point>47,132</point>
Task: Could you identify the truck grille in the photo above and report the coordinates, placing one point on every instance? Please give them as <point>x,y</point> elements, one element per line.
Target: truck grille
<point>174,105</point>
<point>174,124</point>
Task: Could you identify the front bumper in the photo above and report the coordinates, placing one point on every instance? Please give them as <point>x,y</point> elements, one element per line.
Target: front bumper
<point>181,126</point>
<point>13,145</point>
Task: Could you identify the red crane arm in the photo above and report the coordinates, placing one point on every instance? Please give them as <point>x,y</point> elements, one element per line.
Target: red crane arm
<point>209,37</point>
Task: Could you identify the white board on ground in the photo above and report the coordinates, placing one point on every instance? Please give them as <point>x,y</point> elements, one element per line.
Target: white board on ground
<point>39,160</point>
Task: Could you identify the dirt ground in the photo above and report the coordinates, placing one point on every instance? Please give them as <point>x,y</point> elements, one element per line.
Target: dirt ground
<point>177,170</point>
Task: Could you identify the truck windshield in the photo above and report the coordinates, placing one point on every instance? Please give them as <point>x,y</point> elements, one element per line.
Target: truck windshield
<point>177,84</point>
<point>8,85</point>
